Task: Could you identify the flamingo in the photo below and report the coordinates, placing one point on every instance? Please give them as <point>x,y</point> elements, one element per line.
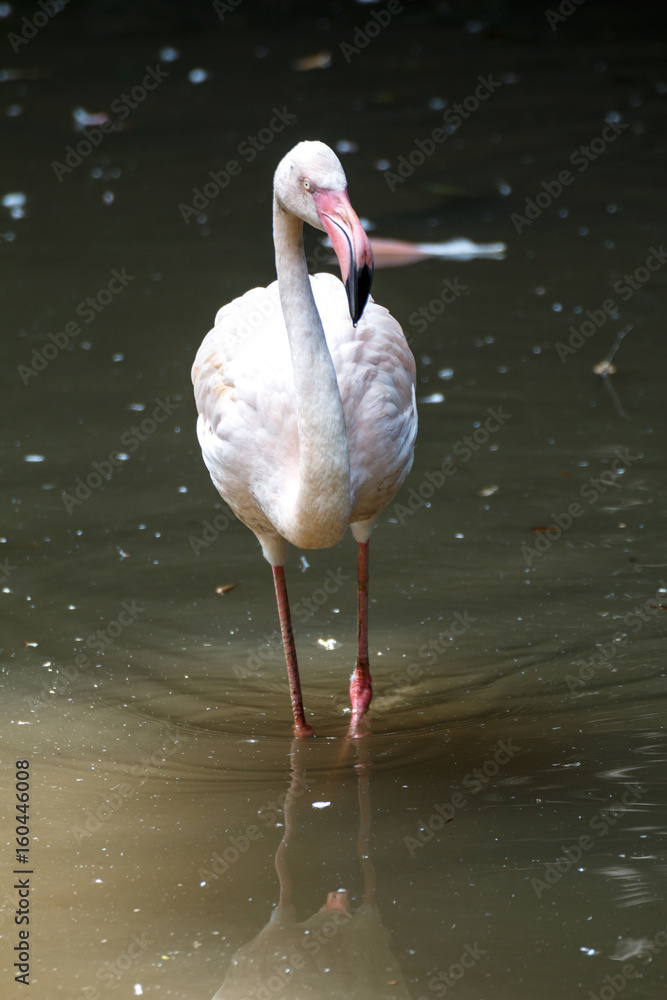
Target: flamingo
<point>307,412</point>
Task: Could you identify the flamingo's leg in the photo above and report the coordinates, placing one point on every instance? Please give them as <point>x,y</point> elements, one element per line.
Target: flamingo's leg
<point>361,689</point>
<point>301,727</point>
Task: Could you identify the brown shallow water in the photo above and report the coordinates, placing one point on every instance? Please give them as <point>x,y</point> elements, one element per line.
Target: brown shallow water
<point>519,674</point>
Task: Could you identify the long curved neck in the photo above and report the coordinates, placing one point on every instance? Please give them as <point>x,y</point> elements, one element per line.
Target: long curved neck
<point>319,515</point>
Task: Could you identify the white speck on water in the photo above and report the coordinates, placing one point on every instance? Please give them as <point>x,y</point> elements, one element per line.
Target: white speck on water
<point>435,397</point>
<point>321,805</point>
<point>33,458</point>
<point>346,146</point>
<point>14,199</point>
<point>169,54</point>
<point>197,75</point>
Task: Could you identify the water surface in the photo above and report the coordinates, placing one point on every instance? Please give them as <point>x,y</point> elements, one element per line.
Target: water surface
<point>510,796</point>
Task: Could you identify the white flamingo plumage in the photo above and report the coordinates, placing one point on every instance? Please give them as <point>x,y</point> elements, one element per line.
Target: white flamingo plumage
<point>307,412</point>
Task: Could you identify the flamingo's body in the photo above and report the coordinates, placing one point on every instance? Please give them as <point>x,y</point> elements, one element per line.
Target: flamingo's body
<point>307,422</point>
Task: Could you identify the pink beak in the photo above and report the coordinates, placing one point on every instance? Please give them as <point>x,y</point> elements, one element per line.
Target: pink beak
<point>351,244</point>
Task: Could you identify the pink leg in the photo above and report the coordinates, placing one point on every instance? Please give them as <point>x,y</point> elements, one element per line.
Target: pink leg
<point>301,727</point>
<point>361,690</point>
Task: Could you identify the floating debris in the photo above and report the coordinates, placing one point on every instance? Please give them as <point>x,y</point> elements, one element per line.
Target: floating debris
<point>328,643</point>
<point>321,60</point>
<point>225,588</point>
<point>83,118</point>
<point>604,369</point>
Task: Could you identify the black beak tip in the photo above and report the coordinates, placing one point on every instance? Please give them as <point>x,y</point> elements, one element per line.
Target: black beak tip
<point>358,287</point>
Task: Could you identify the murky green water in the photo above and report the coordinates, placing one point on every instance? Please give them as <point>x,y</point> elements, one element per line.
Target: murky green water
<point>501,831</point>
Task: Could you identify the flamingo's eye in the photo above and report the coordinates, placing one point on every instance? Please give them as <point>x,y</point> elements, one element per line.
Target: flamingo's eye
<point>307,185</point>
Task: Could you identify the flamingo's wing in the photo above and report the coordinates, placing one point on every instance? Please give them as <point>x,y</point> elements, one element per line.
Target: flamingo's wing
<point>244,392</point>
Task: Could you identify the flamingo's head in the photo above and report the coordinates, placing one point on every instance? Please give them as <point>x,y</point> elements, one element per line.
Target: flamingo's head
<point>311,184</point>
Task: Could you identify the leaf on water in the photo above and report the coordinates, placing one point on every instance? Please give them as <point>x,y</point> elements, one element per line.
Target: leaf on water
<point>226,587</point>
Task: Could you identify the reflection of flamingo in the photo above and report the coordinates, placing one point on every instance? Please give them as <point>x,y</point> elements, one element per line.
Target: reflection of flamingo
<point>307,421</point>
<point>334,952</point>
